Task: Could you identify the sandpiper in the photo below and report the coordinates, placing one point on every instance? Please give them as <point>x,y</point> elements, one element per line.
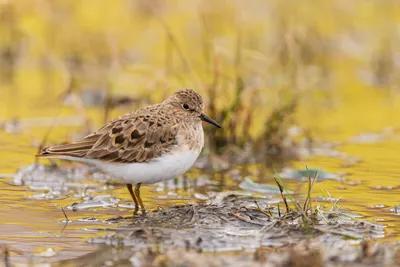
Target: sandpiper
<point>149,145</point>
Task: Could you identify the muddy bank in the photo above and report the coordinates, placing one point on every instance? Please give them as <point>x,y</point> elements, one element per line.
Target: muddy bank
<point>232,230</point>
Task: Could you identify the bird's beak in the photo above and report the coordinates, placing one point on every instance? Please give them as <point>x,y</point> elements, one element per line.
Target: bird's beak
<point>204,117</point>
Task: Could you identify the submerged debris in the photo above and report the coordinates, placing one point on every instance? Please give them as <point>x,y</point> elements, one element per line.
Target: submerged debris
<point>396,210</point>
<point>233,224</point>
<point>250,185</point>
<point>94,202</point>
<point>305,173</point>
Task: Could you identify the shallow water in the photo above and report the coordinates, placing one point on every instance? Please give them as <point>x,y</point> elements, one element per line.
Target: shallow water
<point>357,150</point>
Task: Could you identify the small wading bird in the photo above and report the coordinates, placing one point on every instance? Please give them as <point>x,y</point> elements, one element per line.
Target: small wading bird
<point>149,145</point>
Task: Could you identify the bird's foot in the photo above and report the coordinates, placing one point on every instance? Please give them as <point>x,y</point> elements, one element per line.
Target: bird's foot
<point>142,212</point>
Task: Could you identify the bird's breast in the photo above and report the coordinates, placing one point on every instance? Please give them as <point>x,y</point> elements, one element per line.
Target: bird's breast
<point>191,137</point>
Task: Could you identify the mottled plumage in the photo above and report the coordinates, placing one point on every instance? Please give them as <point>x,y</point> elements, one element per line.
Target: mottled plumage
<point>168,136</point>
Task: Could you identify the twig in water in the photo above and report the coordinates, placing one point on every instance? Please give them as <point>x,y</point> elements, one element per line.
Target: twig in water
<point>66,220</point>
<point>262,211</point>
<point>65,215</point>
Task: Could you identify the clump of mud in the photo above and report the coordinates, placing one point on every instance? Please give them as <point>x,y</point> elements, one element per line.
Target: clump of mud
<point>243,234</point>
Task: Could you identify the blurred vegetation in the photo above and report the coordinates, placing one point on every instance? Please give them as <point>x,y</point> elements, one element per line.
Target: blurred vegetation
<point>262,66</point>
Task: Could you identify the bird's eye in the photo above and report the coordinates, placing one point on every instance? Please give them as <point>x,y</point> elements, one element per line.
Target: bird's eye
<point>186,106</point>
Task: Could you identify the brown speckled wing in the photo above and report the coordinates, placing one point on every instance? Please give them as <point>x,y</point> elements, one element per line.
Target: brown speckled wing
<point>137,137</point>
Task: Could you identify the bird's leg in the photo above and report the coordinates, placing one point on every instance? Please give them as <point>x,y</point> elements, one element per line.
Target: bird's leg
<point>129,186</point>
<point>137,193</point>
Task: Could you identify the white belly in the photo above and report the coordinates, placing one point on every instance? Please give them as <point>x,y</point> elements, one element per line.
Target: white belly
<point>163,168</point>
